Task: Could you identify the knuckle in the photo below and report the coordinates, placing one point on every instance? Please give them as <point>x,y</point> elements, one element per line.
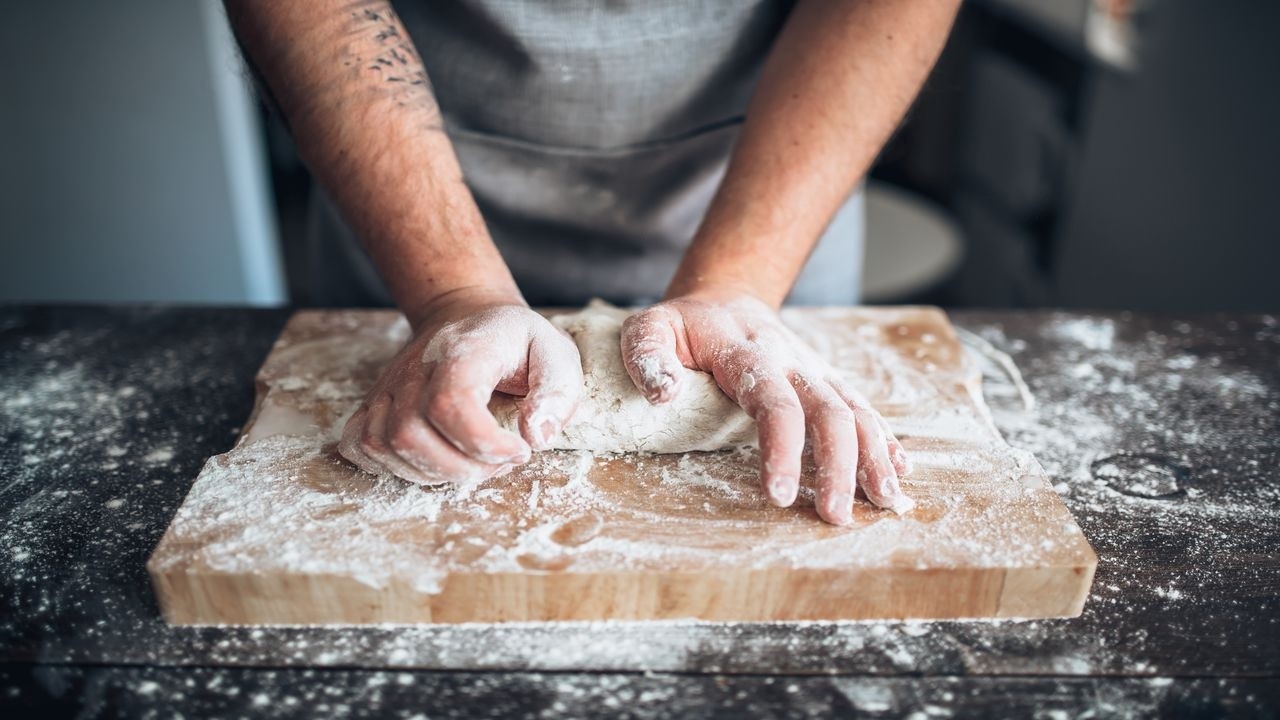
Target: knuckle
<point>349,447</point>
<point>750,381</point>
<point>552,401</point>
<point>869,424</point>
<point>440,406</point>
<point>370,444</point>
<point>762,386</point>
<point>641,339</point>
<point>637,325</point>
<point>781,413</point>
<point>830,486</point>
<point>405,439</point>
<point>870,479</point>
<point>645,322</point>
<point>352,430</point>
<point>838,415</point>
<point>784,403</point>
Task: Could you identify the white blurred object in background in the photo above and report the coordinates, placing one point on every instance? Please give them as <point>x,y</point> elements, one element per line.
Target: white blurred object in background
<point>912,246</point>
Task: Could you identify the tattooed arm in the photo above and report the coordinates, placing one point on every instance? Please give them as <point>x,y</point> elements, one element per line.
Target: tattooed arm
<point>353,90</point>
<point>356,96</point>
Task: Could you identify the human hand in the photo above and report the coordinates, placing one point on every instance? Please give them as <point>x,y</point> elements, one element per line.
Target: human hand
<point>427,418</point>
<point>783,385</point>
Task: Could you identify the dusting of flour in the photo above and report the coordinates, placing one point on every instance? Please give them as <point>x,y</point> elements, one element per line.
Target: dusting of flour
<point>284,502</point>
<point>613,416</point>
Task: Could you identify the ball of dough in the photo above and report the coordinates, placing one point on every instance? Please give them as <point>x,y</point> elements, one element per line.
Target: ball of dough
<point>614,417</point>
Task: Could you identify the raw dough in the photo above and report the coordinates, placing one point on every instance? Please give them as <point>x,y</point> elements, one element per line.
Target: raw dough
<point>614,417</point>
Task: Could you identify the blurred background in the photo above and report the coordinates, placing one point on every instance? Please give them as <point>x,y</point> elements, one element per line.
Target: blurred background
<point>1069,153</point>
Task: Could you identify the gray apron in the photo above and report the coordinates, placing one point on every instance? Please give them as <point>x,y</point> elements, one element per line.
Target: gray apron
<point>593,136</point>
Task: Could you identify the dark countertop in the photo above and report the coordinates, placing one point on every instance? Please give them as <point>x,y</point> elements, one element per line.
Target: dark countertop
<point>1161,432</point>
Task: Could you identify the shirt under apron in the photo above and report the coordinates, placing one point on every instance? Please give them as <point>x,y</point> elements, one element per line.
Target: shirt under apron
<point>593,136</point>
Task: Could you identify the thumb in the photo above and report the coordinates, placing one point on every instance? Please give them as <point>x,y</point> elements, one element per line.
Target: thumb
<point>649,354</point>
<point>555,384</point>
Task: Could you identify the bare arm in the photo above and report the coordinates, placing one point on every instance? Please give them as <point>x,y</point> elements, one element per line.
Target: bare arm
<point>357,98</point>
<point>838,80</point>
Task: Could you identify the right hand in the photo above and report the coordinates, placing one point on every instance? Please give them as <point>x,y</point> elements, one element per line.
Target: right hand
<point>427,418</point>
<point>785,386</point>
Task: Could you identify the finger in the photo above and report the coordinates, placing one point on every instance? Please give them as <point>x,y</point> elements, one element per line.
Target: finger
<point>876,474</point>
<point>349,445</point>
<point>373,443</point>
<point>834,438</point>
<point>897,453</point>
<point>649,345</point>
<point>413,441</point>
<point>555,385</point>
<point>767,397</point>
<point>456,403</point>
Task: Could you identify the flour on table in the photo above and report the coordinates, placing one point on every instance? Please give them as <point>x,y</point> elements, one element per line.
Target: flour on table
<point>615,417</point>
<point>284,503</point>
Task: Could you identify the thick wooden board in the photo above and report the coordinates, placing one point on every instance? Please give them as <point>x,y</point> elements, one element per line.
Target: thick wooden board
<point>281,530</point>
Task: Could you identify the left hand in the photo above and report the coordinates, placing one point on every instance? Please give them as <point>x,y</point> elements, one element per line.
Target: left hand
<point>783,385</point>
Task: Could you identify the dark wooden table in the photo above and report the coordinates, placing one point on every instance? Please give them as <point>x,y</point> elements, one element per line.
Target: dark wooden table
<point>1163,434</point>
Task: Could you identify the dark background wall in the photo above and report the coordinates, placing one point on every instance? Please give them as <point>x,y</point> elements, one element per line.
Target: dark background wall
<point>1085,184</point>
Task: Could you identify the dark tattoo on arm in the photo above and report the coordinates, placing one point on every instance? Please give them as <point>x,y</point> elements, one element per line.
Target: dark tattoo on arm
<point>379,47</point>
<point>343,64</point>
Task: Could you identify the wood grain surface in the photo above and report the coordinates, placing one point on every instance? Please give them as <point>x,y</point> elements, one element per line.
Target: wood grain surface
<point>280,530</point>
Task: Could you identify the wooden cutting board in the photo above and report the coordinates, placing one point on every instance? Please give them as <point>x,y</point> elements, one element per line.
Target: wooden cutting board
<point>281,530</point>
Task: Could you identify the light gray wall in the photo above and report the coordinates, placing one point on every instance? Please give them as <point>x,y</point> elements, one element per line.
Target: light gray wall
<point>130,158</point>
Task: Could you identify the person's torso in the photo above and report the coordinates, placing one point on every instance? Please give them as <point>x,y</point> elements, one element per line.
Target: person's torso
<point>592,76</point>
<point>593,135</point>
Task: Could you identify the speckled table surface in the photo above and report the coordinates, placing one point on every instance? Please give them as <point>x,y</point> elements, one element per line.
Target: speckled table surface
<point>1162,434</point>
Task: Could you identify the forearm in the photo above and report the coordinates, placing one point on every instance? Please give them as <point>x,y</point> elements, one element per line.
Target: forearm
<point>357,98</point>
<point>836,83</point>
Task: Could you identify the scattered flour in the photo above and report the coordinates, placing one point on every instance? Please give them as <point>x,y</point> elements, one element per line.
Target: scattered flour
<point>283,500</point>
<point>1186,393</point>
<point>159,456</point>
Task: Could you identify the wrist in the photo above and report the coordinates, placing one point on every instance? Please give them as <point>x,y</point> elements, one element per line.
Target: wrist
<point>441,305</point>
<point>723,284</point>
<point>729,257</point>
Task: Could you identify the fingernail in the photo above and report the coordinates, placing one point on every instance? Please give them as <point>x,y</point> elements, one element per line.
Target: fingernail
<point>547,430</point>
<point>544,430</point>
<point>897,500</point>
<point>903,459</point>
<point>841,508</point>
<point>782,492</point>
<point>656,381</point>
<point>661,392</point>
<point>902,504</point>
